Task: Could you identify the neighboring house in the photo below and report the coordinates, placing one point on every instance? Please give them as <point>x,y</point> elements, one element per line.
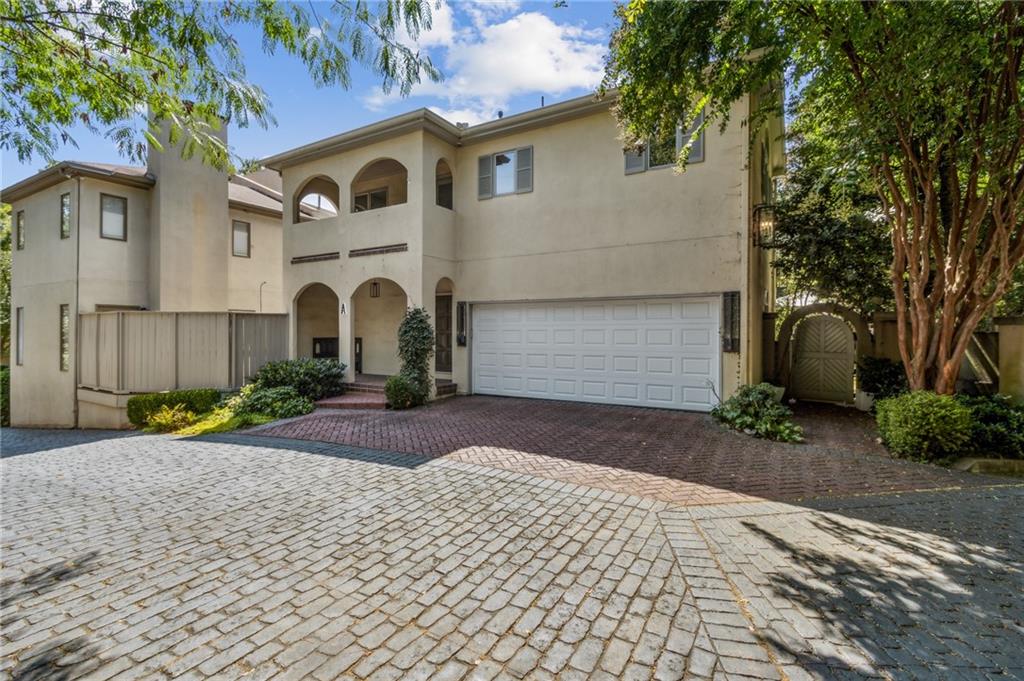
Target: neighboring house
<point>553,264</point>
<point>88,237</point>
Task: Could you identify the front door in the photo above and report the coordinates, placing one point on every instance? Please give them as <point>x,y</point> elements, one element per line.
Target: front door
<point>443,335</point>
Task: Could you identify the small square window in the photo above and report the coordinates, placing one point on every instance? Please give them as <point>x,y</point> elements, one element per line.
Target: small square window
<point>113,217</point>
<point>65,216</point>
<point>371,200</point>
<point>19,228</point>
<point>241,233</point>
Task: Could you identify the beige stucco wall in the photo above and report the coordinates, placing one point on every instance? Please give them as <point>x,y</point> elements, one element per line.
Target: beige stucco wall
<point>376,321</point>
<point>316,317</point>
<point>264,265</point>
<point>1011,356</point>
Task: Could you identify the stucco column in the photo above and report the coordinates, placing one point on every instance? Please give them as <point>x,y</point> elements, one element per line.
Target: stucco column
<point>346,336</point>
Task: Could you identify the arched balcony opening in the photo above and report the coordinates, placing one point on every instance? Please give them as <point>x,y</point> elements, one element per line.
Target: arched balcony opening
<point>318,199</point>
<point>444,185</point>
<point>382,183</point>
<point>443,328</point>
<point>316,322</point>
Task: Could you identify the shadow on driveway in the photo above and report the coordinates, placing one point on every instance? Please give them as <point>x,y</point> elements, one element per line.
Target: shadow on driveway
<point>18,441</point>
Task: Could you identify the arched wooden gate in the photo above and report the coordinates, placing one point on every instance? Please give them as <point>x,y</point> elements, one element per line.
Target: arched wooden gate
<point>824,355</point>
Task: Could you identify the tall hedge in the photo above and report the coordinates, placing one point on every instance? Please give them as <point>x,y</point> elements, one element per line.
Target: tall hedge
<point>415,348</point>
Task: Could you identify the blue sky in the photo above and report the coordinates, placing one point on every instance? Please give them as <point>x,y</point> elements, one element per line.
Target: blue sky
<point>495,55</point>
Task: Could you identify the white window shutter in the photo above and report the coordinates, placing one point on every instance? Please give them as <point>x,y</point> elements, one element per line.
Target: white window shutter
<point>524,170</point>
<point>635,162</point>
<point>485,177</point>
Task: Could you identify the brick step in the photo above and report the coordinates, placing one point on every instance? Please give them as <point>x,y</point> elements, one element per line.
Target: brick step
<point>371,388</point>
<point>353,401</point>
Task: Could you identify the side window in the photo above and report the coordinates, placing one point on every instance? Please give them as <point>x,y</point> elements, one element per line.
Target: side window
<point>19,228</point>
<point>19,339</point>
<point>663,150</point>
<point>65,337</point>
<point>371,200</point>
<point>241,239</point>
<point>506,172</point>
<point>113,217</point>
<point>65,216</point>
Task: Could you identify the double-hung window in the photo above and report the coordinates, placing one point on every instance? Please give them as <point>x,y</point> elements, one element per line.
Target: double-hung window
<point>241,239</point>
<point>506,172</point>
<point>65,216</point>
<point>371,200</point>
<point>663,150</point>
<point>19,229</point>
<point>113,217</point>
<point>19,337</point>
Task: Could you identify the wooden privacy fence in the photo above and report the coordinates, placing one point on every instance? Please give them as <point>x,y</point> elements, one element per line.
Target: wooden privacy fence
<point>139,352</point>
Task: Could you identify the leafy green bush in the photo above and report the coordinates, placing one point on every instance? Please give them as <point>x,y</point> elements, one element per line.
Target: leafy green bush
<point>314,379</point>
<point>754,410</point>
<point>882,377</point>
<point>281,402</point>
<point>924,425</point>
<point>168,419</point>
<point>5,396</point>
<point>199,401</point>
<point>997,426</point>
<point>415,348</point>
<point>401,393</point>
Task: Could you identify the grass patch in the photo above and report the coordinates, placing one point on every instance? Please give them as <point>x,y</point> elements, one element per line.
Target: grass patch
<point>223,420</point>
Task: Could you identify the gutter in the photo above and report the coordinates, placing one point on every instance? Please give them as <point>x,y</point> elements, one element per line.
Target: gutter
<point>66,170</point>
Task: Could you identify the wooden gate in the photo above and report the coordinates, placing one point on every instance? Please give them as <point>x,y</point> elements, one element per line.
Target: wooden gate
<point>824,354</point>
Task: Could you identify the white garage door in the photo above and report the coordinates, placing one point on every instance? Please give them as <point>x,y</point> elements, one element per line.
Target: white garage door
<point>662,352</point>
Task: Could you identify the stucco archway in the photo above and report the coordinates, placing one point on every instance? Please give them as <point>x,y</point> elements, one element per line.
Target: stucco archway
<point>378,307</point>
<point>379,184</point>
<point>316,321</point>
<point>316,199</point>
<point>443,185</point>
<point>864,339</point>
<point>443,326</point>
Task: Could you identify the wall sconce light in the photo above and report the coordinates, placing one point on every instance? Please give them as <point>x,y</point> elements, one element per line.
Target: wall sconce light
<point>375,289</point>
<point>763,224</point>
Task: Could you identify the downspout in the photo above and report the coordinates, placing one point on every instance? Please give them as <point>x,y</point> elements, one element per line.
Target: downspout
<point>78,260</point>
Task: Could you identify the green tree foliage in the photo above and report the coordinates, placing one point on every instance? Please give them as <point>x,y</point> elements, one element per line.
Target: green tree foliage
<point>926,96</point>
<point>102,62</point>
<point>830,238</point>
<point>415,348</point>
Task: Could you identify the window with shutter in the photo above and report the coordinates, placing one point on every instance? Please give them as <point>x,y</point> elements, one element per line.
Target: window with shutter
<point>663,150</point>
<point>636,161</point>
<point>485,175</point>
<point>524,170</point>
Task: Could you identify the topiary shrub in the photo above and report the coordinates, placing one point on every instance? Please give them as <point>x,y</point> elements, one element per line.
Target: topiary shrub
<point>282,402</point>
<point>314,379</point>
<point>997,426</point>
<point>924,425</point>
<point>400,393</point>
<point>415,348</point>
<point>168,419</point>
<point>882,377</point>
<point>198,401</point>
<point>754,410</point>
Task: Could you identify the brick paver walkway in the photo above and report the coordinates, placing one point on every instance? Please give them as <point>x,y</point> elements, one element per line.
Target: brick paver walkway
<point>678,457</point>
<point>244,557</point>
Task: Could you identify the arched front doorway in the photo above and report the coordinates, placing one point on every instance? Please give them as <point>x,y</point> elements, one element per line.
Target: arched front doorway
<point>443,325</point>
<point>824,355</point>
<point>378,307</point>
<point>316,322</point>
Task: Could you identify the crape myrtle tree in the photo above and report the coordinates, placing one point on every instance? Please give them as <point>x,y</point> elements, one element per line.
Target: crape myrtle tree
<point>926,95</point>
<point>105,63</point>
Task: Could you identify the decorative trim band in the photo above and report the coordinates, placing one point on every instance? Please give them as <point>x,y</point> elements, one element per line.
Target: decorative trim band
<point>318,257</point>
<point>378,250</point>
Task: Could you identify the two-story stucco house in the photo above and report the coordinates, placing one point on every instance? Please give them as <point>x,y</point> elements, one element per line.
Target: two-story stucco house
<point>172,236</point>
<point>554,264</point>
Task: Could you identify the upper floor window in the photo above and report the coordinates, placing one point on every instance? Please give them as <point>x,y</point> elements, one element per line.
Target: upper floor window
<point>19,229</point>
<point>19,335</point>
<point>113,217</point>
<point>241,234</point>
<point>444,186</point>
<point>381,183</point>
<point>65,216</point>
<point>371,200</point>
<point>317,199</point>
<point>663,150</point>
<point>506,172</point>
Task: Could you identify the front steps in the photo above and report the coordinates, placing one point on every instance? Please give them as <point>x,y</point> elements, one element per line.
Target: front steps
<point>368,393</point>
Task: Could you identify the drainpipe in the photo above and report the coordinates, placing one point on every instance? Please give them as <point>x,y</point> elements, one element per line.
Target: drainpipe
<point>262,284</point>
<point>78,260</point>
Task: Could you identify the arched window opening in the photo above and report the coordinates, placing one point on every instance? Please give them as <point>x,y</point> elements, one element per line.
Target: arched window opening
<point>316,200</point>
<point>380,184</point>
<point>444,185</point>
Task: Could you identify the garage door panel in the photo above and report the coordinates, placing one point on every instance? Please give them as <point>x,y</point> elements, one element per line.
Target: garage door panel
<point>661,352</point>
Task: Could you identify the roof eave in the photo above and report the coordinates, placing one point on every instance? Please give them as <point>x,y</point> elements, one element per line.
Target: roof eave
<point>67,170</point>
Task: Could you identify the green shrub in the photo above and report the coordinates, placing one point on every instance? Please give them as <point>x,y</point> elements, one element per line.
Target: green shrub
<point>314,379</point>
<point>924,425</point>
<point>199,401</point>
<point>754,410</point>
<point>997,426</point>
<point>415,348</point>
<point>882,377</point>
<point>400,392</point>
<point>168,419</point>
<point>281,402</point>
<point>5,396</point>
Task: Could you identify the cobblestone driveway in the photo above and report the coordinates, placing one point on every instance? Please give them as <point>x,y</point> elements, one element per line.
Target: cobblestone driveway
<point>252,558</point>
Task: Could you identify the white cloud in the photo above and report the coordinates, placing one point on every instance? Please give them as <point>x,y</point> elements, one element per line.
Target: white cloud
<point>487,64</point>
<point>441,32</point>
